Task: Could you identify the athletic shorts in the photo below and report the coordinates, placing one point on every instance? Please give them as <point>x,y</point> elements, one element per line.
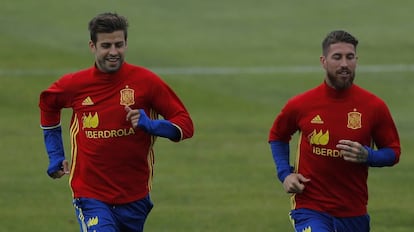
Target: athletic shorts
<point>305,220</point>
<point>97,216</point>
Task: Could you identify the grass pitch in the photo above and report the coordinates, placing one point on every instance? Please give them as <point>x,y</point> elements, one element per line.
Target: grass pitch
<point>223,179</point>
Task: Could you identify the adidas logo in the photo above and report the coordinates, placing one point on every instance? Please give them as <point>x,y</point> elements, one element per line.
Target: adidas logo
<point>317,120</point>
<point>87,102</point>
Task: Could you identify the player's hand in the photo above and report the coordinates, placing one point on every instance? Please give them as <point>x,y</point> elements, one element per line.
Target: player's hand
<point>62,172</point>
<point>352,151</point>
<point>132,116</point>
<point>295,183</point>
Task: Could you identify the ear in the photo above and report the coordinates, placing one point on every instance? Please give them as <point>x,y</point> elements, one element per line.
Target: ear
<point>92,46</point>
<point>322,59</point>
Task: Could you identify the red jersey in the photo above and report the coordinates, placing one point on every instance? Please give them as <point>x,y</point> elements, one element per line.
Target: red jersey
<point>323,116</point>
<point>112,161</point>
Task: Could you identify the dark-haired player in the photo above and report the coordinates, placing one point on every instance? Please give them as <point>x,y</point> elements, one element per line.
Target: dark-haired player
<point>113,129</point>
<point>344,130</point>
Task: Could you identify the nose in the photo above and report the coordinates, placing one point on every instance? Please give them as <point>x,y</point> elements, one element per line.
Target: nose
<point>113,50</point>
<point>344,62</point>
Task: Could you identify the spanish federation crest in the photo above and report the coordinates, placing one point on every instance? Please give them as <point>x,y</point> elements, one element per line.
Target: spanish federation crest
<point>127,96</point>
<point>354,120</point>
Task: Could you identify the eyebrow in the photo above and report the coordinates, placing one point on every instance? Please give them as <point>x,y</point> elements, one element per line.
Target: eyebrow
<point>346,54</point>
<point>110,43</point>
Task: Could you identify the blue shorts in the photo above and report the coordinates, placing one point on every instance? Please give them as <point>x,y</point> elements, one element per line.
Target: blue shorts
<point>94,215</point>
<point>306,220</point>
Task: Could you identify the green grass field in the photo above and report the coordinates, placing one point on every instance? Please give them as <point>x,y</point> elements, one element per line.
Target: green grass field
<point>234,64</point>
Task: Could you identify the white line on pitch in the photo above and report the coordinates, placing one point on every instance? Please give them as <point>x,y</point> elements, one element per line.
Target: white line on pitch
<point>220,70</point>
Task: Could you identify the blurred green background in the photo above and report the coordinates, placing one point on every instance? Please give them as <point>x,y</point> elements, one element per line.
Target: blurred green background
<point>234,64</point>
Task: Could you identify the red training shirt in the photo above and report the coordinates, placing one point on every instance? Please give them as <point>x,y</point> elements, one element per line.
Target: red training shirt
<point>323,116</point>
<point>112,161</point>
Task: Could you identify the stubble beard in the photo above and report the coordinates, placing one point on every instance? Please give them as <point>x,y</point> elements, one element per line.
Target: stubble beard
<point>109,67</point>
<point>340,83</point>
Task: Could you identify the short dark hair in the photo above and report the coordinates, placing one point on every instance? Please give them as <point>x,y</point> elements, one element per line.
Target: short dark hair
<point>107,23</point>
<point>336,37</point>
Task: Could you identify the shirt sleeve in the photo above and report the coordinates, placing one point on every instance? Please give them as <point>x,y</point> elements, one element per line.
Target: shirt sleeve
<point>166,103</point>
<point>385,134</point>
<point>280,153</point>
<point>285,124</point>
<point>52,100</point>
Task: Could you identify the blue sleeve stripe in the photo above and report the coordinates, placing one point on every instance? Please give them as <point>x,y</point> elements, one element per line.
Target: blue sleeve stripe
<point>49,127</point>
<point>280,152</point>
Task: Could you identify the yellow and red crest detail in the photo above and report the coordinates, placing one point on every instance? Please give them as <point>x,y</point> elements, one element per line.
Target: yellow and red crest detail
<point>307,229</point>
<point>354,120</point>
<point>319,138</point>
<point>90,121</point>
<point>127,96</point>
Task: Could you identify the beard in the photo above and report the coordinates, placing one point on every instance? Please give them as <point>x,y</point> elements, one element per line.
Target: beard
<point>341,79</point>
<point>110,67</point>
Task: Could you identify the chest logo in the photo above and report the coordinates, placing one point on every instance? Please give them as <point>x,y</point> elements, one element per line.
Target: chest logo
<point>318,138</point>
<point>354,120</point>
<point>90,121</point>
<point>127,96</point>
<point>87,102</point>
<point>317,120</point>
